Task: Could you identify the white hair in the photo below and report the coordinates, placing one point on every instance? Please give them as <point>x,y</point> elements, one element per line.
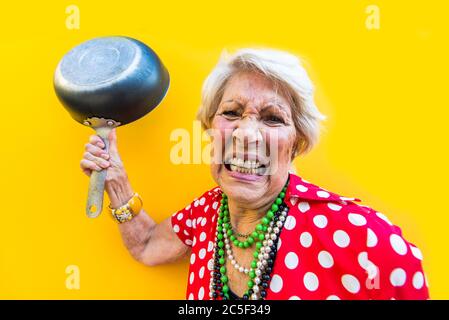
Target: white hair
<point>286,71</point>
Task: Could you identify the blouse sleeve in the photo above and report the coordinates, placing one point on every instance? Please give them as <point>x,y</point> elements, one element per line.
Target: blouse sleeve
<point>397,271</point>
<point>182,223</point>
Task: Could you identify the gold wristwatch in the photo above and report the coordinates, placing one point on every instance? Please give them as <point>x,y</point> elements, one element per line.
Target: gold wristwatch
<point>129,210</point>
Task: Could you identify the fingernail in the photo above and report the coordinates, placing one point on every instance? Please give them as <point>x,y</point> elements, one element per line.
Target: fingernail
<point>104,164</point>
<point>100,144</point>
<point>105,156</point>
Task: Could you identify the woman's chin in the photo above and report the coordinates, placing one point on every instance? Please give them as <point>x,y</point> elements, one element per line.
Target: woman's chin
<point>242,185</point>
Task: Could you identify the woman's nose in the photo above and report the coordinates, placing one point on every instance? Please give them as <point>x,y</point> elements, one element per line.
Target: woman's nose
<point>247,133</point>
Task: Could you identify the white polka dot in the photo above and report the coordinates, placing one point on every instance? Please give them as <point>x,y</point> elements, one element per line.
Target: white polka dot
<point>202,236</point>
<point>187,208</point>
<point>333,297</point>
<point>311,281</point>
<point>301,188</point>
<point>189,223</point>
<point>363,260</point>
<point>196,203</point>
<point>416,252</point>
<point>201,272</point>
<point>198,220</point>
<point>371,239</point>
<point>206,208</point>
<point>276,283</point>
<point>215,205</point>
<point>418,280</point>
<point>293,200</point>
<point>186,232</point>
<point>398,277</point>
<point>210,246</point>
<point>294,298</point>
<point>303,206</point>
<point>357,219</point>
<point>350,283</point>
<point>194,241</point>
<point>333,206</point>
<point>323,194</point>
<point>306,239</point>
<point>384,218</point>
<point>371,270</point>
<point>325,259</point>
<point>279,243</point>
<point>194,223</point>
<point>180,216</point>
<point>202,253</point>
<point>398,244</point>
<point>202,201</point>
<point>201,294</point>
<point>192,277</point>
<point>188,242</point>
<point>176,228</point>
<point>192,258</point>
<point>290,223</point>
<point>341,238</point>
<point>320,221</point>
<point>210,264</point>
<point>203,222</point>
<point>191,296</point>
<point>291,260</point>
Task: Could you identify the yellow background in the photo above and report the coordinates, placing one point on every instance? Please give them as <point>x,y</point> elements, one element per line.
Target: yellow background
<point>384,92</point>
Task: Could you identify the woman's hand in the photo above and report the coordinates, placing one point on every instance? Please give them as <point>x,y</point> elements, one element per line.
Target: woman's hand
<point>149,243</point>
<point>96,158</point>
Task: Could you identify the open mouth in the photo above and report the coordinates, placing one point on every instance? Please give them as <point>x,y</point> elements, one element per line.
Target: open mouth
<point>250,167</point>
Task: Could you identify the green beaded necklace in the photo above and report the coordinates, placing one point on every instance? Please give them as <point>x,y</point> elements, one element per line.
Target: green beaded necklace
<point>256,238</point>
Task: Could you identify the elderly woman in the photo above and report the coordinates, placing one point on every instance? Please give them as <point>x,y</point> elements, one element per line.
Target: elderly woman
<point>264,232</point>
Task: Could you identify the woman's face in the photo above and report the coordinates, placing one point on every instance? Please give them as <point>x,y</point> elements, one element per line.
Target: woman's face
<point>253,138</point>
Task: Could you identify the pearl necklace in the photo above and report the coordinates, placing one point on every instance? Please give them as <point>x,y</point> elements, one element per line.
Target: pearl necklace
<point>265,238</point>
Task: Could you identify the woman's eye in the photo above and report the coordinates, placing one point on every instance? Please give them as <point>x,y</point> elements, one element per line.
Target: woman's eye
<point>230,113</point>
<point>274,119</point>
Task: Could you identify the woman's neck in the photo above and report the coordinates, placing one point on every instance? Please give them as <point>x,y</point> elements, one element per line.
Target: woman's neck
<point>244,219</point>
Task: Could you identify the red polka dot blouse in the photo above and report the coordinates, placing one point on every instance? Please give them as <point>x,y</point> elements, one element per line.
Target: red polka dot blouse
<point>329,248</point>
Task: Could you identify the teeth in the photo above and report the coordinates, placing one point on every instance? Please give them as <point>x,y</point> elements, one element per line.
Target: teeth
<point>246,170</point>
<point>248,164</point>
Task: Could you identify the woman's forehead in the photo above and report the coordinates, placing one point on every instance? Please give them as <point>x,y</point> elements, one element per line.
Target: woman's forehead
<point>254,89</point>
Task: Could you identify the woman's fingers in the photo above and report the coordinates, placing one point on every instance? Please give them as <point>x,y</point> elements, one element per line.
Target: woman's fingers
<point>89,166</point>
<point>96,151</point>
<point>96,140</point>
<point>87,172</point>
<point>98,161</point>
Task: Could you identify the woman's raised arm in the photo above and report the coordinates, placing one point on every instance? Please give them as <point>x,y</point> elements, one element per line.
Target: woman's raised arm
<point>148,242</point>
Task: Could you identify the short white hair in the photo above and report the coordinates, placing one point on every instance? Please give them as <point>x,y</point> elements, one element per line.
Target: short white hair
<point>285,70</point>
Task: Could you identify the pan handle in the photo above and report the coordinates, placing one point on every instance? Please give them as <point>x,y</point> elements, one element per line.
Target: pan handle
<point>97,180</point>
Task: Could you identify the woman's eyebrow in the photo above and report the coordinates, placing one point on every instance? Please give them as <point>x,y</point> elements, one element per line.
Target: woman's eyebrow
<point>233,101</point>
<point>276,106</point>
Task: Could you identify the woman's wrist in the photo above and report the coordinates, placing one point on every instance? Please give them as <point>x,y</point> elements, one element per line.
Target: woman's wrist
<point>119,191</point>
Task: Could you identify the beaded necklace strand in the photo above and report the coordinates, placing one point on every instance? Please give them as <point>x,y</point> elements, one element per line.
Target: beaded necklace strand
<point>265,238</point>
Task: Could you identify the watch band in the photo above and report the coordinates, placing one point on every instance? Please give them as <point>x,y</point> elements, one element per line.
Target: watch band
<point>129,210</point>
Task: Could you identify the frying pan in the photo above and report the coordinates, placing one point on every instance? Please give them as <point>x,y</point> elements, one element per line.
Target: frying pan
<point>108,82</point>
